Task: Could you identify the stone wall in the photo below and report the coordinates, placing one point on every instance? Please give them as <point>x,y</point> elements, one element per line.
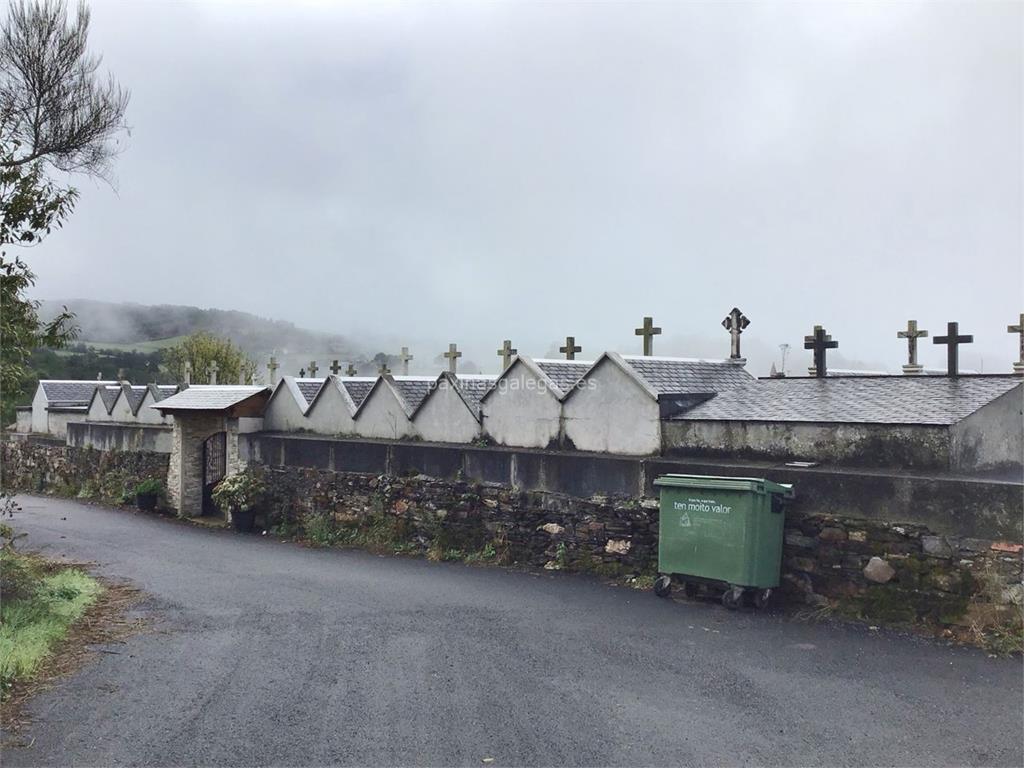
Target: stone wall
<point>43,466</point>
<point>886,572</point>
<point>948,505</point>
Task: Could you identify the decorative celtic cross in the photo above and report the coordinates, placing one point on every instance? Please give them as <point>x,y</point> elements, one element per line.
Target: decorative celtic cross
<point>211,371</point>
<point>953,339</point>
<point>272,370</point>
<point>335,367</point>
<point>820,341</point>
<point>735,323</point>
<point>313,369</point>
<point>506,353</point>
<point>570,349</point>
<point>351,370</point>
<point>648,331</point>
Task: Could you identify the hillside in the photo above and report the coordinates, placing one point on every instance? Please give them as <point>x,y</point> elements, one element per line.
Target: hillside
<point>141,327</point>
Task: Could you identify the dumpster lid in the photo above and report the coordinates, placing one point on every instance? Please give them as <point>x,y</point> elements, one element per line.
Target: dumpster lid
<point>752,484</point>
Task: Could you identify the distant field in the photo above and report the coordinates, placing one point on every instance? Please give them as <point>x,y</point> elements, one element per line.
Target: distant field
<point>134,346</point>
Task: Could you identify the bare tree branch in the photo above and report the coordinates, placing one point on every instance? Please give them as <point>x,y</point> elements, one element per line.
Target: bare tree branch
<point>54,106</point>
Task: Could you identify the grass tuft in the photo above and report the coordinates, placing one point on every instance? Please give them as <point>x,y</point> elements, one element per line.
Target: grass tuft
<point>34,621</point>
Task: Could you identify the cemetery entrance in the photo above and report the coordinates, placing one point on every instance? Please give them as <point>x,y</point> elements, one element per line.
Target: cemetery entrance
<point>214,468</point>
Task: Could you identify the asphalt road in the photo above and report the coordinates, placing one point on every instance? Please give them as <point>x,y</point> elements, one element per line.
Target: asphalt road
<point>270,653</point>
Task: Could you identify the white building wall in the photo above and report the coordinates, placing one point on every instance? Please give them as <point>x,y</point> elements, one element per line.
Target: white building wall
<point>122,411</point>
<point>330,414</point>
<point>147,415</point>
<point>382,416</point>
<point>97,410</point>
<point>57,421</point>
<point>23,420</point>
<point>521,411</point>
<point>283,413</point>
<point>611,413</point>
<point>40,422</point>
<point>445,418</point>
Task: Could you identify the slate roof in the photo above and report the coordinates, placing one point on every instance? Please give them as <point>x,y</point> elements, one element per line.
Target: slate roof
<point>565,373</point>
<point>864,400</point>
<point>164,391</point>
<point>414,389</point>
<point>135,393</point>
<point>309,388</point>
<point>475,387</point>
<point>109,394</point>
<point>208,397</point>
<point>358,387</point>
<point>67,393</point>
<point>680,375</point>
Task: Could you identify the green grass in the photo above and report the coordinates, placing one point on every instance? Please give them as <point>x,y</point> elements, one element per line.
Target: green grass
<point>31,624</point>
<point>153,345</point>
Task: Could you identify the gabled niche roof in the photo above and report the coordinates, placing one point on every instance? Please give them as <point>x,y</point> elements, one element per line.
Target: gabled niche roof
<point>674,375</point>
<point>559,376</point>
<point>470,388</point>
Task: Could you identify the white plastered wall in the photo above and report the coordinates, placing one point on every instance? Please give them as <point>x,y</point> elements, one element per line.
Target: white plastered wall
<point>521,410</point>
<point>444,417</point>
<point>611,413</point>
<point>382,415</point>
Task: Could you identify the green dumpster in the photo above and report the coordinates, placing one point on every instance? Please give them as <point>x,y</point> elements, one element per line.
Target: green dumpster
<point>721,532</point>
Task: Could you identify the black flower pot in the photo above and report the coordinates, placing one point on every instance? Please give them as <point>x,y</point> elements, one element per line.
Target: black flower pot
<point>146,501</point>
<point>244,521</point>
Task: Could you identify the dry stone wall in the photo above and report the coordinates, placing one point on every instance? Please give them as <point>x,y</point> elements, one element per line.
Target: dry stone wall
<point>49,467</point>
<point>879,571</point>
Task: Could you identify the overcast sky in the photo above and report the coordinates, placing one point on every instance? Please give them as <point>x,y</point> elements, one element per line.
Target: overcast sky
<point>422,173</point>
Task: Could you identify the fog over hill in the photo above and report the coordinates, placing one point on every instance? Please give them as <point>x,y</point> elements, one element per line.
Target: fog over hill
<point>127,323</point>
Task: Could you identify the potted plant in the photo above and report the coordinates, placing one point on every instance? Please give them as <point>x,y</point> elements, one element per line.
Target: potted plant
<point>148,493</point>
<point>237,496</point>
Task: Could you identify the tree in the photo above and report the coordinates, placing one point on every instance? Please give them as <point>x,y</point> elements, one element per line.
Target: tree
<point>54,113</point>
<point>32,207</point>
<point>54,108</point>
<point>201,349</point>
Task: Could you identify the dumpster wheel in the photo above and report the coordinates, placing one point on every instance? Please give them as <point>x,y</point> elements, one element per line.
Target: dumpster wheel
<point>761,598</point>
<point>732,597</point>
<point>663,586</point>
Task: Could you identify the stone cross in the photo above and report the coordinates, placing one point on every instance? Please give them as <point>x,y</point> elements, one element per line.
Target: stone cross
<point>272,370</point>
<point>735,323</point>
<point>912,334</point>
<point>506,352</point>
<point>188,372</point>
<point>453,356</point>
<point>302,373</point>
<point>312,369</point>
<point>1018,367</point>
<point>953,339</point>
<point>404,357</point>
<point>351,370</point>
<point>335,367</point>
<point>241,377</point>
<point>212,369</point>
<point>648,331</point>
<point>120,374</point>
<point>820,341</point>
<point>570,349</point>
<point>384,370</point>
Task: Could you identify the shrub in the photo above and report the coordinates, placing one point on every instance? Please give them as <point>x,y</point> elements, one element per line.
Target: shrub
<point>239,493</point>
<point>149,487</point>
